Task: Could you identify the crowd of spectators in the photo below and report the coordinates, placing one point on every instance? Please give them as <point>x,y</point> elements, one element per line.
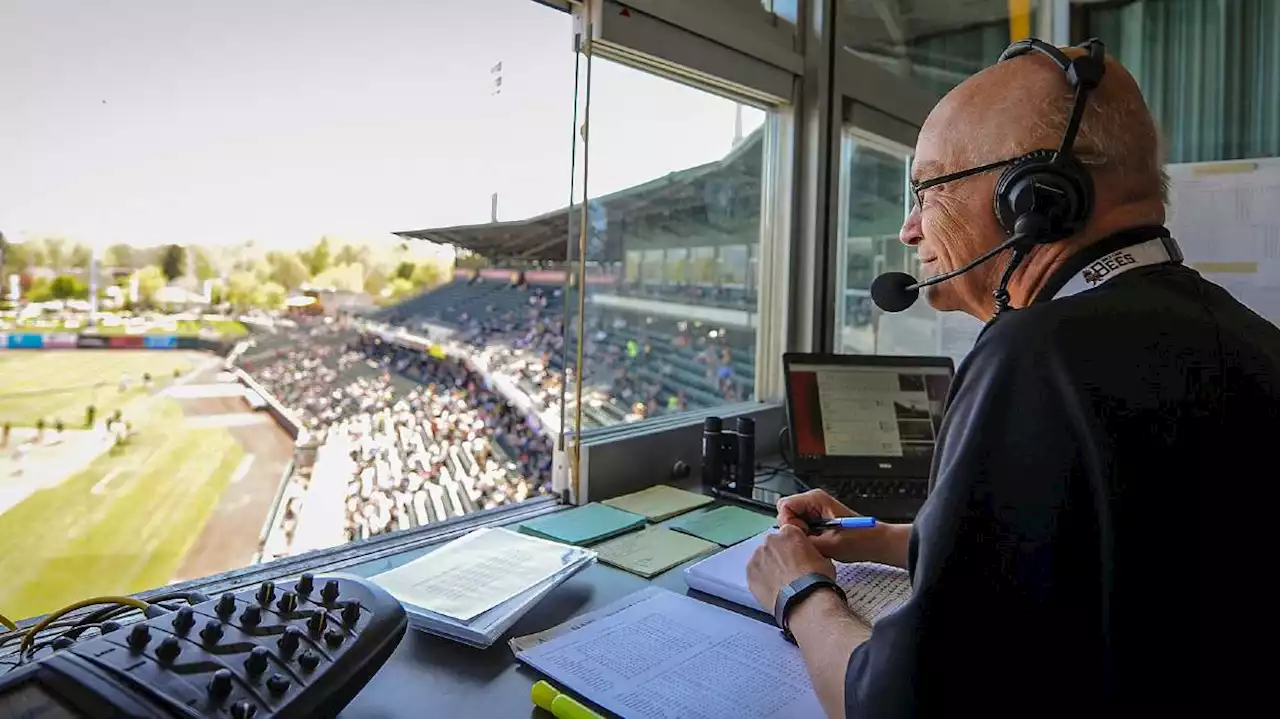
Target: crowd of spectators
<point>632,369</point>
<point>428,440</point>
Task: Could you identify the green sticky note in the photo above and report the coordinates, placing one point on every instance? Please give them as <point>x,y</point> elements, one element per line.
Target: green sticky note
<point>725,526</point>
<point>659,502</point>
<point>652,551</point>
<point>583,525</point>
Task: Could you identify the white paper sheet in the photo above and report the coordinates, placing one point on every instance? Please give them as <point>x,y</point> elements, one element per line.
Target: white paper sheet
<point>471,575</point>
<point>675,657</point>
<point>873,590</point>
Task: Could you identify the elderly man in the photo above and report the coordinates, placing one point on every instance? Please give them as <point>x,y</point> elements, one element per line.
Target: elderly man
<point>1052,567</point>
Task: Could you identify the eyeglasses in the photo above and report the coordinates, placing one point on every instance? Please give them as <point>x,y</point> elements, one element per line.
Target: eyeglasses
<point>918,188</point>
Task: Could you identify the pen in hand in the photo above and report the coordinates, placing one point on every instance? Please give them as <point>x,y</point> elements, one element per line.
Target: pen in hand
<point>819,525</point>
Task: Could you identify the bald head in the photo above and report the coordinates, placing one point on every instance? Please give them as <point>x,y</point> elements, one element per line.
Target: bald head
<point>1024,103</point>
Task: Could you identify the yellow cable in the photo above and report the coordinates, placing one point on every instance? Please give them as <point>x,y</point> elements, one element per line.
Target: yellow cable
<point>8,624</point>
<point>30,636</point>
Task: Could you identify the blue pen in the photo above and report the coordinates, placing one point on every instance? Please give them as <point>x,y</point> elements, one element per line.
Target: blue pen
<point>842,523</point>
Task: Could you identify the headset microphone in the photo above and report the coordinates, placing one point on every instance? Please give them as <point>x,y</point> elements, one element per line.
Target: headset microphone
<point>896,291</point>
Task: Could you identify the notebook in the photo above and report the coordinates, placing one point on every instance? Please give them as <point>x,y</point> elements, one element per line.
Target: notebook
<point>873,590</point>
<point>725,526</point>
<point>659,502</point>
<point>583,525</point>
<point>474,588</point>
<point>669,655</point>
<point>652,551</point>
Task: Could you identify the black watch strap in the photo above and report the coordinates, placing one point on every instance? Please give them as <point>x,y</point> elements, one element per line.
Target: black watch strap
<point>792,594</point>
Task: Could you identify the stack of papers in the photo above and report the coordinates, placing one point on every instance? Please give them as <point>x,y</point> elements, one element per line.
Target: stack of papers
<point>583,525</point>
<point>474,588</point>
<point>669,655</point>
<point>873,590</point>
<point>659,502</point>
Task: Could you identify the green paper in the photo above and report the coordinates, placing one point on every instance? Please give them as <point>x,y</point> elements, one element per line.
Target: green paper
<point>659,502</point>
<point>652,551</point>
<point>725,526</point>
<point>583,525</point>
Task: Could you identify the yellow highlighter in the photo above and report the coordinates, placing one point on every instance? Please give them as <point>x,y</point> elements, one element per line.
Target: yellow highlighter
<point>562,706</point>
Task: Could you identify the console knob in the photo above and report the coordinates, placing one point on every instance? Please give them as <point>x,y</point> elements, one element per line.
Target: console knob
<point>266,592</point>
<point>220,684</point>
<point>251,616</point>
<point>62,643</point>
<point>184,620</point>
<point>256,662</point>
<point>243,710</point>
<point>333,638</point>
<point>288,602</point>
<point>330,591</point>
<point>277,683</point>
<point>168,650</point>
<point>289,641</point>
<point>306,583</point>
<point>351,612</point>
<point>315,623</point>
<point>139,635</point>
<point>309,660</point>
<point>212,631</point>
<point>226,605</point>
<point>111,625</point>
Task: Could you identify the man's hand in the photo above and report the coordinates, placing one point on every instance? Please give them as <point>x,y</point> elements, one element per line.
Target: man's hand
<point>785,556</point>
<point>884,543</point>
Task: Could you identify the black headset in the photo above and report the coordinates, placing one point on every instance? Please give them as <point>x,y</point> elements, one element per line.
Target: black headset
<point>1052,185</point>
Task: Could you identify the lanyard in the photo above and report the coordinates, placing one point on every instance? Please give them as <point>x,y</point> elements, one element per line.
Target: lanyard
<point>1155,251</point>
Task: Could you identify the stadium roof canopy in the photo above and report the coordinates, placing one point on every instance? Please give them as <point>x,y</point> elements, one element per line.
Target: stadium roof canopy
<point>545,237</point>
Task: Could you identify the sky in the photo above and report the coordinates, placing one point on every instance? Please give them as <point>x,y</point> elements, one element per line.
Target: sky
<point>190,121</point>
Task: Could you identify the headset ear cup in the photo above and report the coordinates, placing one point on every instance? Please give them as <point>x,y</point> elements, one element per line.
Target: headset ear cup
<point>1060,190</point>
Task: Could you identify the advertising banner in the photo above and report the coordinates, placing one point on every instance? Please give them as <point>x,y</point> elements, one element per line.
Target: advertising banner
<point>91,341</point>
<point>4,341</point>
<point>126,342</point>
<point>189,343</point>
<point>25,341</point>
<point>60,340</point>
<point>161,342</point>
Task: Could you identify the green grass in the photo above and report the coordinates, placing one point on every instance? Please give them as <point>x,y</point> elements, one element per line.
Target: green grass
<point>65,543</point>
<point>61,384</point>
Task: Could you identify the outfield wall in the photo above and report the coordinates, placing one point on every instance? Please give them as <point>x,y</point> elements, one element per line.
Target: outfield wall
<point>88,340</point>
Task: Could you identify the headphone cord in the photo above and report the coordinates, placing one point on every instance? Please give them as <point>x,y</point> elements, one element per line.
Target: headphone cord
<point>1002,292</point>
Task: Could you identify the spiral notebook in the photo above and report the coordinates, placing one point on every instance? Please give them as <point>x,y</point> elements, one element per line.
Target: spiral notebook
<point>873,590</point>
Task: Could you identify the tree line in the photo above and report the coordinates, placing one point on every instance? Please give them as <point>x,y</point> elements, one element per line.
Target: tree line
<point>244,275</point>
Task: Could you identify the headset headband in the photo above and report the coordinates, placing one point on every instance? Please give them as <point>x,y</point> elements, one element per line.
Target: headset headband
<point>1083,74</point>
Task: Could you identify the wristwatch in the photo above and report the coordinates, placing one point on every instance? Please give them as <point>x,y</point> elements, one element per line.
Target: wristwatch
<point>792,594</point>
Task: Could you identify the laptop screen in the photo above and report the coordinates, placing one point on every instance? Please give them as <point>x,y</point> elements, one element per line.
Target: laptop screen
<point>872,415</point>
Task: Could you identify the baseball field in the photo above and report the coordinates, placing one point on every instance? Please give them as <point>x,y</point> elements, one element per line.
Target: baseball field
<point>81,518</point>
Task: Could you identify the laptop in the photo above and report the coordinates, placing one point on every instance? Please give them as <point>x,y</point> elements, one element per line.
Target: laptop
<point>864,427</point>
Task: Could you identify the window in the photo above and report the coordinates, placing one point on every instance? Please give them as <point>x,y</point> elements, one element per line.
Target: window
<point>703,261</point>
<point>652,267</point>
<point>633,266</point>
<point>678,178</point>
<point>677,263</point>
<point>935,43</point>
<point>168,211</point>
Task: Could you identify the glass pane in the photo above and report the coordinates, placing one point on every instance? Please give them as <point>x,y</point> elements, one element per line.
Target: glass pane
<point>936,43</point>
<point>675,178</point>
<point>212,173</point>
<point>874,177</point>
<point>1208,70</point>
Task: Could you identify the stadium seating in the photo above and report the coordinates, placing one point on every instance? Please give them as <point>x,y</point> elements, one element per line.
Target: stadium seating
<point>489,313</point>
